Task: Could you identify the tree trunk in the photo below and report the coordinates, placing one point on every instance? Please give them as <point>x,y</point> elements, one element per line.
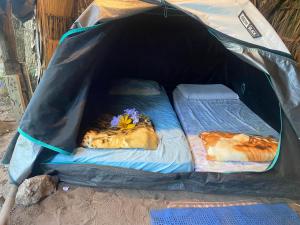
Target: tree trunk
<point>15,81</point>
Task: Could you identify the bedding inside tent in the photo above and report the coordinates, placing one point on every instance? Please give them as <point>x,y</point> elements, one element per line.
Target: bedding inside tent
<point>172,154</point>
<point>179,50</point>
<point>203,108</point>
<point>171,50</point>
<point>176,50</point>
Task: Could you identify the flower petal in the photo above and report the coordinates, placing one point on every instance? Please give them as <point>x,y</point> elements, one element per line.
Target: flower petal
<point>130,126</point>
<point>120,119</point>
<point>128,121</point>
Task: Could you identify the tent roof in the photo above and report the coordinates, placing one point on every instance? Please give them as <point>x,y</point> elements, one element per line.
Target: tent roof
<point>238,19</point>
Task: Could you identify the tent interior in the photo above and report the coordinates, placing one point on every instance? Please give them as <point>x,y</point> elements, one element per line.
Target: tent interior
<point>173,49</point>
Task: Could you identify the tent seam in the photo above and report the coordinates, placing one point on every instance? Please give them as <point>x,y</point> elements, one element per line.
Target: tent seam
<point>217,34</point>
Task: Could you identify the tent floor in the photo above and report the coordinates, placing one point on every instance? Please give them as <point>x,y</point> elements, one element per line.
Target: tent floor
<point>251,184</point>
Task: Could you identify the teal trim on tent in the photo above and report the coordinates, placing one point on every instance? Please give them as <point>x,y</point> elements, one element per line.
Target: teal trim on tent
<point>38,142</point>
<point>279,142</point>
<point>77,30</point>
<point>279,146</point>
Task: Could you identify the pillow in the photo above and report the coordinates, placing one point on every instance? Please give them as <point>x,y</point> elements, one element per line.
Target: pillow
<point>224,146</point>
<point>135,87</point>
<point>206,92</point>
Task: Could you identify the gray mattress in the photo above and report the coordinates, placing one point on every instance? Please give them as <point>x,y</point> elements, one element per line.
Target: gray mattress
<point>217,108</point>
<point>221,111</point>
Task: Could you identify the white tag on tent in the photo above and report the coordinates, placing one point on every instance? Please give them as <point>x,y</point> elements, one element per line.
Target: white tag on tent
<point>247,23</point>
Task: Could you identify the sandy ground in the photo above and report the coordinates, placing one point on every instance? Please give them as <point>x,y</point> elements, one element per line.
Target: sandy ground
<point>88,206</point>
<point>104,207</point>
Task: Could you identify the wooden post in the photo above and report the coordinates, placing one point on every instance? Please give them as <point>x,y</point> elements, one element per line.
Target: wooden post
<point>8,205</point>
<point>14,77</point>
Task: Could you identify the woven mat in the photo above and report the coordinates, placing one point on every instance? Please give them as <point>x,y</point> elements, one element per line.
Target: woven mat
<point>266,214</point>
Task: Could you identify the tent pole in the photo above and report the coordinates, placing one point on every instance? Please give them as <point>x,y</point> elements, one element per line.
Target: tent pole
<point>8,205</point>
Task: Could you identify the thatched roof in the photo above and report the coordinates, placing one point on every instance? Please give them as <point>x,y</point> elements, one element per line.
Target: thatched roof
<point>284,16</point>
<point>54,18</point>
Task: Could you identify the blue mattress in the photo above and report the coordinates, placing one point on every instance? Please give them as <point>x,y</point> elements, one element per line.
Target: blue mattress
<point>172,155</point>
<point>217,108</point>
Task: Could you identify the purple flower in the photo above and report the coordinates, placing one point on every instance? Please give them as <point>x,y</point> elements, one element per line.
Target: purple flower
<point>130,112</point>
<point>135,119</point>
<point>115,121</point>
<point>133,114</point>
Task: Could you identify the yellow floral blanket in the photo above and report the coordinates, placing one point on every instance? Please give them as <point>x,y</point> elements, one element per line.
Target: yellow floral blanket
<point>129,130</point>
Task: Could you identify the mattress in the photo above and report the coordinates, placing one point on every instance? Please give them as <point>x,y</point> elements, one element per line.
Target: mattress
<point>217,109</point>
<point>172,155</point>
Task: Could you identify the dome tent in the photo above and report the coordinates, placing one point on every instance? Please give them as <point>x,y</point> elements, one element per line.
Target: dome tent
<point>171,42</point>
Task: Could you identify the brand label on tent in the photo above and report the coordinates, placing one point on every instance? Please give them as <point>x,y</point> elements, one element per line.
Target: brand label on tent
<point>253,31</point>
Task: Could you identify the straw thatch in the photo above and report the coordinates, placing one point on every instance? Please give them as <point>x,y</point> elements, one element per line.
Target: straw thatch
<point>54,18</point>
<point>284,16</point>
<point>80,6</point>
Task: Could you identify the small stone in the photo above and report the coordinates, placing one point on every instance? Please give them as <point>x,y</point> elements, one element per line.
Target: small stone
<point>66,188</point>
<point>35,189</point>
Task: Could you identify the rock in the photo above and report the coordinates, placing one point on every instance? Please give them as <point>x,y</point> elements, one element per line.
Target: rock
<point>33,190</point>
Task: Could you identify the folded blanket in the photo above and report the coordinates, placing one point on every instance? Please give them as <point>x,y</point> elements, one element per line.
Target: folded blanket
<point>224,146</point>
<point>104,136</point>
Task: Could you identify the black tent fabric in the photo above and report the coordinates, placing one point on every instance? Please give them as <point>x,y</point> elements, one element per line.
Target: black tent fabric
<point>173,50</point>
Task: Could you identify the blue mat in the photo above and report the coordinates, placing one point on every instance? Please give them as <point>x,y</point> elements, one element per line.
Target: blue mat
<point>261,214</point>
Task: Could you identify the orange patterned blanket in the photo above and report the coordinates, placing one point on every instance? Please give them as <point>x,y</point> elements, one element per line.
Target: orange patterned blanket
<point>224,146</point>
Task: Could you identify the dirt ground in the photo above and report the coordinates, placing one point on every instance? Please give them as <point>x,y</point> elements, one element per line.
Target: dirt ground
<point>7,129</point>
<point>88,206</point>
